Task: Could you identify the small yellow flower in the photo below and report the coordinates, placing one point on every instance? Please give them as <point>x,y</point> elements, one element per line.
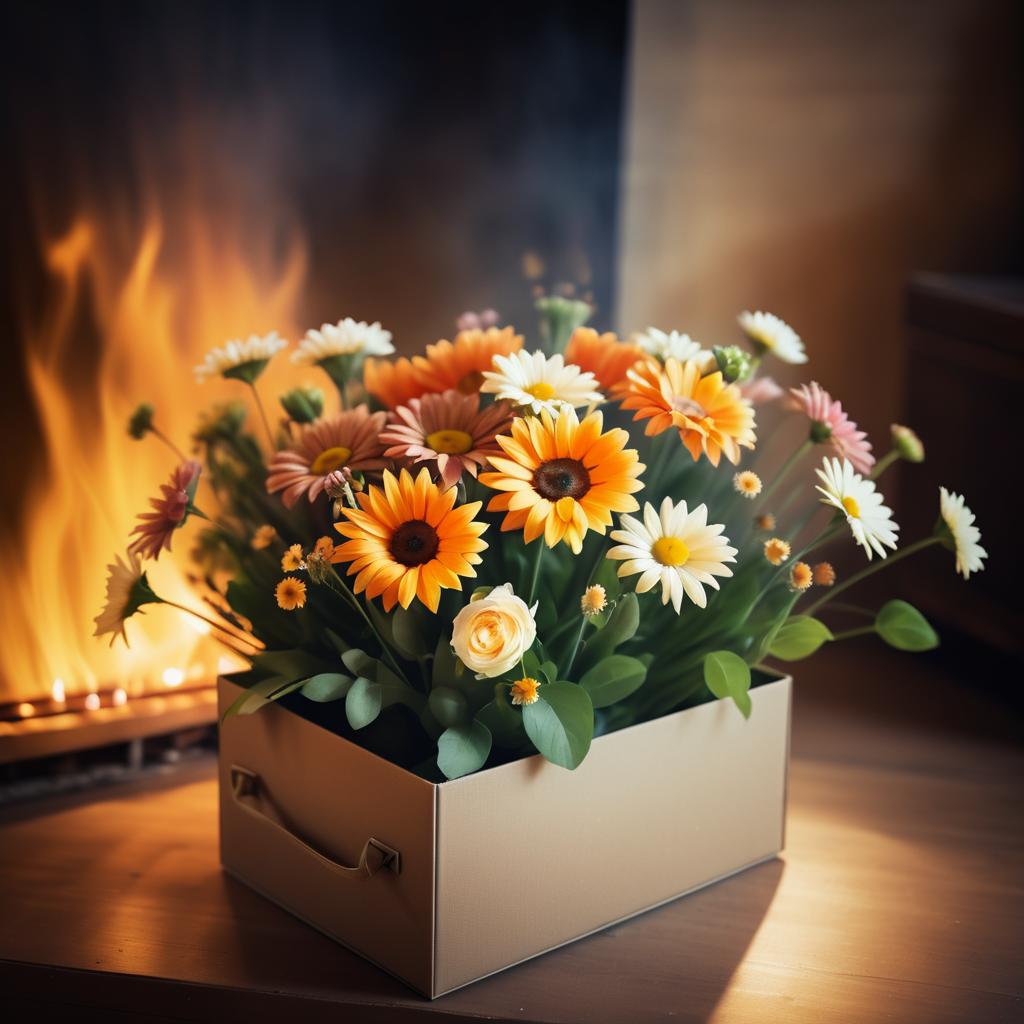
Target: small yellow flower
<point>800,576</point>
<point>263,537</point>
<point>747,483</point>
<point>290,594</point>
<point>292,558</point>
<point>776,550</point>
<point>524,691</point>
<point>594,600</point>
<point>765,522</point>
<point>824,574</point>
<point>324,547</point>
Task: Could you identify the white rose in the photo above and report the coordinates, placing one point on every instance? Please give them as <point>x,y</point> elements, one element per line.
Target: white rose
<point>492,633</point>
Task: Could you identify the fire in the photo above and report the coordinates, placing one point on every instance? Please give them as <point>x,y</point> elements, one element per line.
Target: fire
<point>126,323</point>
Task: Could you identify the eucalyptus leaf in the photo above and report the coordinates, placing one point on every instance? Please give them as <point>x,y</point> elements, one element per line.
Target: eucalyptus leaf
<point>327,686</point>
<point>358,662</point>
<point>448,706</point>
<point>560,723</point>
<point>504,723</point>
<point>462,749</point>
<point>260,694</point>
<point>902,626</point>
<point>443,673</point>
<point>799,637</point>
<point>613,679</point>
<point>363,702</point>
<point>408,633</point>
<point>728,675</point>
<point>549,672</point>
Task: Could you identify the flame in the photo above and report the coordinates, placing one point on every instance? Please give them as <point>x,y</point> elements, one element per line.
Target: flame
<point>131,313</point>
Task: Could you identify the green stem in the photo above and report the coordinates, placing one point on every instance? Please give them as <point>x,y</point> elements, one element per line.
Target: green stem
<point>794,458</point>
<point>536,570</point>
<point>853,609</point>
<point>884,463</point>
<point>170,444</point>
<point>874,567</point>
<point>851,633</point>
<point>583,618</point>
<point>263,415</point>
<point>211,622</point>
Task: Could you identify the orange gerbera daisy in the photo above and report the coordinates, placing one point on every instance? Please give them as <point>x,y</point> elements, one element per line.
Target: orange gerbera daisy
<point>460,364</point>
<point>603,355</point>
<point>393,383</point>
<point>408,540</point>
<point>561,477</point>
<point>711,416</point>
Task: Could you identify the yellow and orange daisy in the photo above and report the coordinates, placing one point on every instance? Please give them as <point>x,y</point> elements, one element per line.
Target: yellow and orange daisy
<point>603,355</point>
<point>392,383</point>
<point>801,576</point>
<point>408,540</point>
<point>290,594</point>
<point>561,477</point>
<point>460,364</point>
<point>824,574</point>
<point>524,691</point>
<point>712,417</point>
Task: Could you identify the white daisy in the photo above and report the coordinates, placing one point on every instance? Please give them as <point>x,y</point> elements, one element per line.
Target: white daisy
<point>127,590</point>
<point>345,338</point>
<point>537,382</point>
<point>671,345</point>
<point>243,360</point>
<point>959,519</point>
<point>769,333</point>
<point>870,521</point>
<point>676,548</point>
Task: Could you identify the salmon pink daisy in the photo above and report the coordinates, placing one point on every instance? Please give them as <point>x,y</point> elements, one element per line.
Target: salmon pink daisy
<point>155,529</point>
<point>450,430</point>
<point>830,425</point>
<point>348,440</point>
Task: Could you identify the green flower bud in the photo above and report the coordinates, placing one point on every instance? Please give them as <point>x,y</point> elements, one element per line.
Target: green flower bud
<point>734,362</point>
<point>560,317</point>
<point>303,405</point>
<point>907,443</point>
<point>141,422</point>
<point>221,422</point>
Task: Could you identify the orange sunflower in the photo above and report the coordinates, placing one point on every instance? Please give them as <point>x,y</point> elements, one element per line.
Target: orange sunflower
<point>561,477</point>
<point>711,416</point>
<point>393,383</point>
<point>603,355</point>
<point>408,540</point>
<point>460,364</point>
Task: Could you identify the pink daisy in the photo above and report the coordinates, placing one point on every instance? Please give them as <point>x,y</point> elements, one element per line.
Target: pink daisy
<point>347,440</point>
<point>155,529</point>
<point>829,424</point>
<point>450,430</point>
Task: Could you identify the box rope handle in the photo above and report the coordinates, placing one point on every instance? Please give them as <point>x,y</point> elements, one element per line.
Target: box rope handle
<point>250,794</point>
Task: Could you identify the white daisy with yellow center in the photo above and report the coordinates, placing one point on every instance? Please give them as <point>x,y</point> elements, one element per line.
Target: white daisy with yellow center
<point>769,333</point>
<point>671,345</point>
<point>538,383</point>
<point>959,520</point>
<point>241,359</point>
<point>347,337</point>
<point>869,520</point>
<point>676,548</point>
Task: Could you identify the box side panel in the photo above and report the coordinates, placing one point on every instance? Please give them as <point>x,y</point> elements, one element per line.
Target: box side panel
<point>531,856</point>
<point>334,796</point>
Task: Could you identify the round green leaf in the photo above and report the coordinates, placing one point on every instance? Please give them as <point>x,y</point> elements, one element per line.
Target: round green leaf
<point>463,749</point>
<point>902,626</point>
<point>799,637</point>
<point>363,703</point>
<point>728,675</point>
<point>613,679</point>
<point>447,705</point>
<point>326,686</point>
<point>560,723</point>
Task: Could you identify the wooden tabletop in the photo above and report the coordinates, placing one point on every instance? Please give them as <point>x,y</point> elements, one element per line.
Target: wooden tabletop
<point>900,896</point>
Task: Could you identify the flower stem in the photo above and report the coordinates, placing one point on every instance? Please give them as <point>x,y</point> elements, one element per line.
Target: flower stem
<point>170,444</point>
<point>536,569</point>
<point>786,467</point>
<point>263,415</point>
<point>849,634</point>
<point>212,622</point>
<point>906,552</point>
<point>583,618</point>
<point>884,463</point>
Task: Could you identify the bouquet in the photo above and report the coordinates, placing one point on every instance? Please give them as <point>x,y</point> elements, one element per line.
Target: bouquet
<point>491,550</point>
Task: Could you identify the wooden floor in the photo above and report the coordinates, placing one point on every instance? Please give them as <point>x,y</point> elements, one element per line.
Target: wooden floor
<point>900,896</point>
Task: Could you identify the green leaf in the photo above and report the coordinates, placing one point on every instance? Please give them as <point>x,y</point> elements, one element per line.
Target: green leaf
<point>728,675</point>
<point>560,723</point>
<point>294,664</point>
<point>448,706</point>
<point>358,662</point>
<point>799,637</point>
<point>260,694</point>
<point>902,626</point>
<point>622,624</point>
<point>613,679</point>
<point>408,633</point>
<point>503,721</point>
<point>608,576</point>
<point>327,686</point>
<point>443,673</point>
<point>363,703</point>
<point>462,749</point>
<point>549,671</point>
<point>531,663</point>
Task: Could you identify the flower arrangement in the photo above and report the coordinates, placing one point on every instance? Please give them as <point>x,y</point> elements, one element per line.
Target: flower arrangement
<point>487,551</point>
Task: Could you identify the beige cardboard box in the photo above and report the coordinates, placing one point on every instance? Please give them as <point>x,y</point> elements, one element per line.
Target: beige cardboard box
<point>444,884</point>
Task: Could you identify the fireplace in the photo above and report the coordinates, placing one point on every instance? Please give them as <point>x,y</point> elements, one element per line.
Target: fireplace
<point>185,174</point>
